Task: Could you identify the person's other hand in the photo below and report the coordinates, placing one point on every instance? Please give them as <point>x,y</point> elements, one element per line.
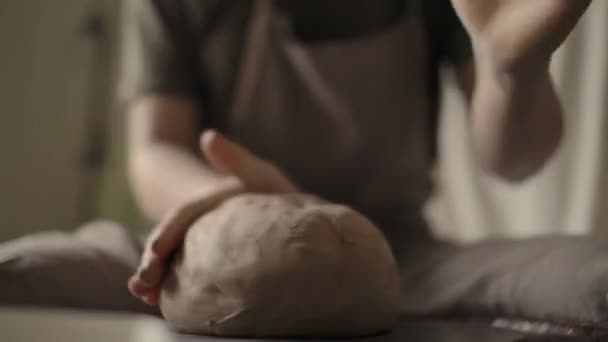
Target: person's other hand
<point>511,32</point>
<point>245,173</point>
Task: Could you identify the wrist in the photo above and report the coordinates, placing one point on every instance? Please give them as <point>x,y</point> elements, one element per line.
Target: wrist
<point>500,60</point>
<point>523,74</point>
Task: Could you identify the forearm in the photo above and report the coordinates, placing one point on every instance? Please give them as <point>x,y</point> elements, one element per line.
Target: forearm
<point>517,119</point>
<point>166,168</point>
<point>164,176</point>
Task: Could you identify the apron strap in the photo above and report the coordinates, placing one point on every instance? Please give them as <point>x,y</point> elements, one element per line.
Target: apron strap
<point>253,52</point>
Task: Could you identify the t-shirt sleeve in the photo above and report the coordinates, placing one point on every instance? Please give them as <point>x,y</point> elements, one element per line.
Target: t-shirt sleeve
<point>159,51</point>
<point>449,39</point>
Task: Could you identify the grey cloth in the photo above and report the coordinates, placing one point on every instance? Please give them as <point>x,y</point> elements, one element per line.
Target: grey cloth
<point>563,279</point>
<point>88,269</point>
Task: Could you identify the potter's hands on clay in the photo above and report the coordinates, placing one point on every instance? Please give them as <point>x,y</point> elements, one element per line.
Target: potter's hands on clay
<point>246,173</point>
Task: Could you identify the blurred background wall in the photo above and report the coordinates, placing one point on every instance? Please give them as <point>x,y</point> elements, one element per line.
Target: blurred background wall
<point>62,136</point>
<point>57,65</point>
<point>51,63</point>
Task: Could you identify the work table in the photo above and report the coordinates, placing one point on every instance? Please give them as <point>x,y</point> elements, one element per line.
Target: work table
<point>459,331</point>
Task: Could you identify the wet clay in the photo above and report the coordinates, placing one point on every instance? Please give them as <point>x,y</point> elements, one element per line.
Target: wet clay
<point>282,265</point>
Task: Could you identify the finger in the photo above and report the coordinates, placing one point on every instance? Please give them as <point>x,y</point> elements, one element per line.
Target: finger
<point>145,284</point>
<point>162,242</point>
<point>210,139</point>
<point>137,287</point>
<point>151,270</point>
<point>152,298</point>
<point>228,156</point>
<point>172,229</point>
<point>145,294</point>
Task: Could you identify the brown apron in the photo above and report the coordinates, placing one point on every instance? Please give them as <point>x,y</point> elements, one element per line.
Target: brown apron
<point>347,120</point>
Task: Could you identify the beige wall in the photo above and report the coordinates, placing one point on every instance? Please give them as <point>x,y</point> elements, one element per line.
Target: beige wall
<point>49,72</point>
<point>115,202</point>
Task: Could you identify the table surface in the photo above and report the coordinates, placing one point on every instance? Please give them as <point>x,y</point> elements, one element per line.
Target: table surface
<point>25,325</point>
<point>451,331</point>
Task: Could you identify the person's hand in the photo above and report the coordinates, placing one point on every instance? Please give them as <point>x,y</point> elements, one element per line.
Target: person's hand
<point>515,31</point>
<point>247,173</point>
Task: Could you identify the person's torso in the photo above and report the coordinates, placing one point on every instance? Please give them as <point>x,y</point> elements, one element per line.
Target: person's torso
<point>348,119</point>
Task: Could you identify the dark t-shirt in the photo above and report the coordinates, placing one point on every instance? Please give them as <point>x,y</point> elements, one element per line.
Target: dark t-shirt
<point>193,48</point>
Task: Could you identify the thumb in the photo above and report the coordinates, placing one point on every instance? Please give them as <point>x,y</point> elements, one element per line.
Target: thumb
<point>227,156</point>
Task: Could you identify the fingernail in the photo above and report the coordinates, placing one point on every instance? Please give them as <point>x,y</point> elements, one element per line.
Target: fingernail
<point>208,136</point>
<point>143,277</point>
<point>146,299</point>
<point>151,299</point>
<point>131,285</point>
